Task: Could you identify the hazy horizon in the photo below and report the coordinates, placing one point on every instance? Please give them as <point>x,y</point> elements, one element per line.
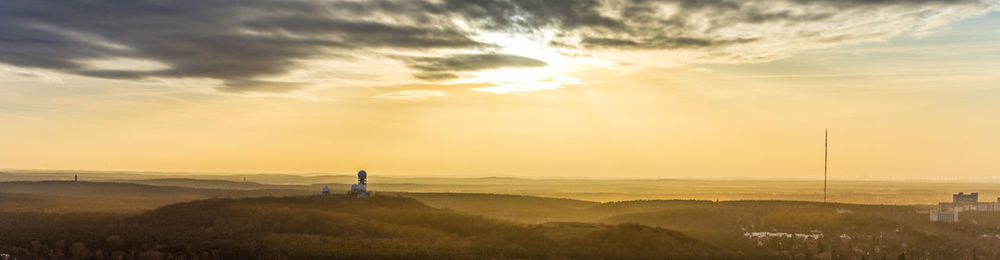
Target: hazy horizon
<point>183,174</point>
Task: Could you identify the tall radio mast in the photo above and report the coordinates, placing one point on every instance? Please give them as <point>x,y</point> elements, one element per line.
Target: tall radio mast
<point>826,152</point>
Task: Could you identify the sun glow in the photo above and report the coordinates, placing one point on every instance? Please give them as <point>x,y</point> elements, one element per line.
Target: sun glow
<point>508,81</point>
<point>517,80</point>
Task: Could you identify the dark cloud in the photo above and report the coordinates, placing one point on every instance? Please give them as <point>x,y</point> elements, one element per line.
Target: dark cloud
<point>696,23</point>
<point>232,41</point>
<point>435,76</point>
<point>660,42</point>
<point>528,15</point>
<point>359,34</point>
<point>240,42</point>
<point>472,62</point>
<point>441,68</point>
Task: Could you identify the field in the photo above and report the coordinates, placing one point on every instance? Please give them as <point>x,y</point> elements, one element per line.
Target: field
<point>283,217</point>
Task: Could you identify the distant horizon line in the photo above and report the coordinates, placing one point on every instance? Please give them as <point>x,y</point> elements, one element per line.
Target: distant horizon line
<point>182,174</point>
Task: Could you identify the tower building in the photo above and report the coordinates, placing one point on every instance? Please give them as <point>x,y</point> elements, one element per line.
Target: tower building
<point>360,189</point>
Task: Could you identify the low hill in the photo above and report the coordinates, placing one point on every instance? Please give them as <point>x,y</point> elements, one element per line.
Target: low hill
<point>336,227</point>
<point>217,184</point>
<point>70,196</point>
<point>138,195</point>
<point>527,209</point>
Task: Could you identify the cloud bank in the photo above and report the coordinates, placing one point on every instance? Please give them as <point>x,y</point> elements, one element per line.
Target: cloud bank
<point>439,68</point>
<point>246,44</point>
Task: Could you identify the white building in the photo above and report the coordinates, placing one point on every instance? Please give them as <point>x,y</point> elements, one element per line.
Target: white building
<point>944,216</point>
<point>968,202</point>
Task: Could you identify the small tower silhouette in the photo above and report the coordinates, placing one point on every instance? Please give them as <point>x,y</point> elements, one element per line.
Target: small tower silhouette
<point>360,189</point>
<point>76,177</point>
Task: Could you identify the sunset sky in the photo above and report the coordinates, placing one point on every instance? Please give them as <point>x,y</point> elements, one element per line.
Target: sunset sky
<point>909,89</point>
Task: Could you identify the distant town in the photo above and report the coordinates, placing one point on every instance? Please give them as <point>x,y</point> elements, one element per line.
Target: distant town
<point>948,211</point>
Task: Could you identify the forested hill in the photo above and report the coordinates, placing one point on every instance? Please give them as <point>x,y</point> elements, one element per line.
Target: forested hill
<point>332,227</point>
<point>105,197</point>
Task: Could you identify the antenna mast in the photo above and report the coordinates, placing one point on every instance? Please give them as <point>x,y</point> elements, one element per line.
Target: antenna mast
<point>826,152</point>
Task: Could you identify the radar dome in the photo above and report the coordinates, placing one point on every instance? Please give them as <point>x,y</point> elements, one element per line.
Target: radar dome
<point>362,174</point>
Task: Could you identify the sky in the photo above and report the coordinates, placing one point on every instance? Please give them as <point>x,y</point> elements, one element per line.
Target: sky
<point>909,89</point>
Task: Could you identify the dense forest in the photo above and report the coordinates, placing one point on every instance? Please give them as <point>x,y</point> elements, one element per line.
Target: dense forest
<point>306,227</point>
